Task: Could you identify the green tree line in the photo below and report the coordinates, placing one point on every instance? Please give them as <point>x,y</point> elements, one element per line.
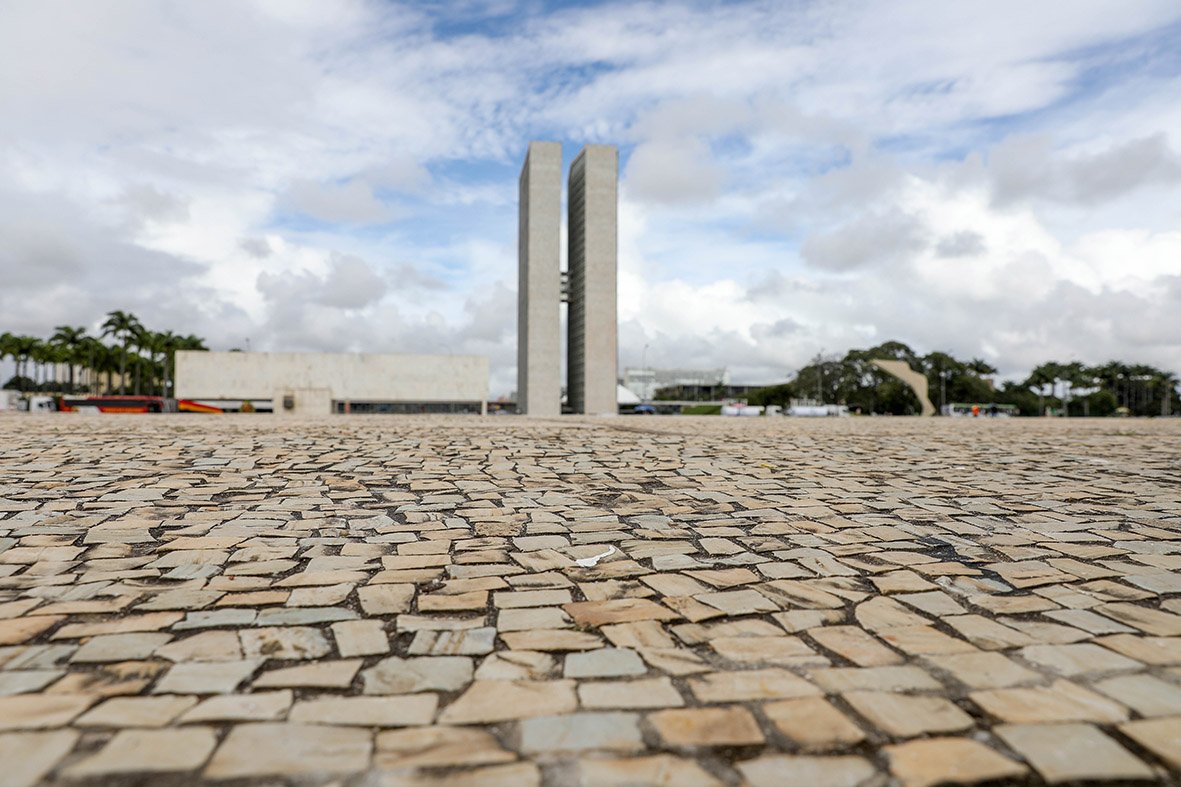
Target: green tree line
<point>1069,388</point>
<point>72,361</point>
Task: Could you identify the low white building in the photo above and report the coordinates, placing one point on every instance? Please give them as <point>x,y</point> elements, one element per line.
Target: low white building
<point>645,382</point>
<point>322,383</point>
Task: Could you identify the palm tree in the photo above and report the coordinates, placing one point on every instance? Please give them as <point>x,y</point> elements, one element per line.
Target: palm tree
<point>1168,382</point>
<point>8,348</point>
<point>140,338</point>
<point>38,351</point>
<point>1039,378</point>
<point>167,344</point>
<point>121,324</point>
<point>72,340</point>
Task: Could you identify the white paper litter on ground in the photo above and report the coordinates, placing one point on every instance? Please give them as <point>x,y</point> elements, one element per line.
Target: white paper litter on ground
<point>587,562</point>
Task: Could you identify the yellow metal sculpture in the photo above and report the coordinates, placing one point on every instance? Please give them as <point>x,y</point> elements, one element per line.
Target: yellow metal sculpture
<point>916,381</point>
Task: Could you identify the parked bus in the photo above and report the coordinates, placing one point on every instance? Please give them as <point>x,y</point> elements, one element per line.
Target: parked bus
<point>114,404</point>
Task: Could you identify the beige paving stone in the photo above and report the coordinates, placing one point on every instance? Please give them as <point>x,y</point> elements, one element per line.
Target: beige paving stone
<point>925,641</point>
<point>1146,619</point>
<point>403,711</point>
<point>925,763</point>
<point>285,643</point>
<point>324,596</point>
<point>487,701</point>
<point>985,670</point>
<point>933,602</point>
<point>697,634</point>
<point>803,619</point>
<point>1069,752</point>
<point>903,678</point>
<point>624,610</point>
<point>901,582</point>
<point>119,647</point>
<point>988,634</point>
<point>604,663</point>
<point>738,602</point>
<point>517,665</point>
<point>1071,660</point>
<point>434,747</point>
<point>886,613</point>
<point>854,644</point>
<point>476,600</point>
<point>41,711</point>
<point>23,681</point>
<point>107,680</point>
<point>642,693</point>
<point>1060,701</point>
<point>527,618</point>
<point>155,711</point>
<point>360,638</point>
<point>906,715</point>
<point>323,674</point>
<point>1150,650</point>
<point>29,757</point>
<point>124,625</point>
<point>813,723</point>
<point>1145,694</point>
<point>606,731</point>
<point>732,726</point>
<point>552,640</point>
<point>396,675</point>
<point>746,685</point>
<point>776,769</point>
<point>658,770</point>
<point>206,678</point>
<point>1088,621</point>
<point>1160,736</point>
<point>530,598</point>
<point>387,599</point>
<point>19,630</point>
<point>787,651</point>
<point>206,646</point>
<point>256,706</point>
<point>259,750</point>
<point>469,642</point>
<point>149,751</point>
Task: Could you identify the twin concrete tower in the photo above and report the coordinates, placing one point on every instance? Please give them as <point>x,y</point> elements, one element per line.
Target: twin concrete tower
<point>589,286</point>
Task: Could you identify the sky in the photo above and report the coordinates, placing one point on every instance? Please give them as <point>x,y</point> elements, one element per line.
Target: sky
<point>993,179</point>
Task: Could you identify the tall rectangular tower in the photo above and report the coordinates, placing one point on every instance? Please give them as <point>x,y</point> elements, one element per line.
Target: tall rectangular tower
<point>592,343</point>
<point>539,288</point>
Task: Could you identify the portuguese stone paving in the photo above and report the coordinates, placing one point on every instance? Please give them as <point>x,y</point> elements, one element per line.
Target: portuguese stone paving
<point>400,601</point>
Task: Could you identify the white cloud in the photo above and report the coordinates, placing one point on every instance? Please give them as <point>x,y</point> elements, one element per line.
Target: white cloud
<point>345,203</point>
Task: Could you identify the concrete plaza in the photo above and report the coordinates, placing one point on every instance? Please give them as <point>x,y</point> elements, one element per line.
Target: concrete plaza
<point>376,600</point>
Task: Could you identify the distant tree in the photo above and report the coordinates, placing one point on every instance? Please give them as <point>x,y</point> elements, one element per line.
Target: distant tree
<point>72,340</point>
<point>121,325</point>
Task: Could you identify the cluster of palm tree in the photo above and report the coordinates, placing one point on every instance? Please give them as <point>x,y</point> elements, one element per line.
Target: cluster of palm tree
<point>1077,389</point>
<point>73,361</point>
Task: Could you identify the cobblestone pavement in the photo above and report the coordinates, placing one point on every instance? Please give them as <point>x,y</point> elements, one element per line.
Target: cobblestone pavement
<point>415,601</point>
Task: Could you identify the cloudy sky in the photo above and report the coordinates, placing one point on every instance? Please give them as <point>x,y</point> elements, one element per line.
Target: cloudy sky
<point>997,179</point>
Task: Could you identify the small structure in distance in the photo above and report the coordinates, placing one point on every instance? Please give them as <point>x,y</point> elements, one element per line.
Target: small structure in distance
<point>916,381</point>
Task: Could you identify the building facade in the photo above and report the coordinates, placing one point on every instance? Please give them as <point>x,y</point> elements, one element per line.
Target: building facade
<point>323,383</point>
<point>592,334</point>
<point>590,287</point>
<point>539,350</point>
